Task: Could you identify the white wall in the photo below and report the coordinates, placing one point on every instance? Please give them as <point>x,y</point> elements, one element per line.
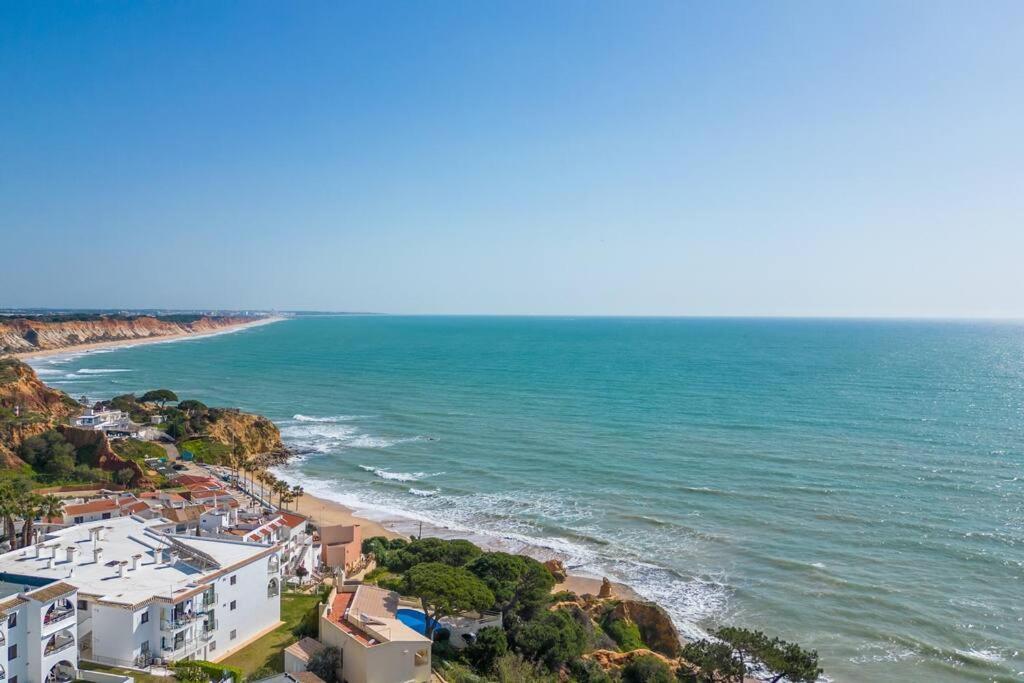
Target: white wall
<point>254,611</point>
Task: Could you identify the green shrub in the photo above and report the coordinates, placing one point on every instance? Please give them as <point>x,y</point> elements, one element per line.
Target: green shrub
<point>646,669</point>
<point>626,633</point>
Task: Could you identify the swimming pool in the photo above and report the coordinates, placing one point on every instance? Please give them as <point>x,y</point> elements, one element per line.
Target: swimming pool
<point>413,618</point>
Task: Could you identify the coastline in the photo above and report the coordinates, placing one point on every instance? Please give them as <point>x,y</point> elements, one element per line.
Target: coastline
<point>326,511</point>
<point>123,343</point>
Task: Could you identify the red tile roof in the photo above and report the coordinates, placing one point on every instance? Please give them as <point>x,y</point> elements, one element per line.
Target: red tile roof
<point>102,505</point>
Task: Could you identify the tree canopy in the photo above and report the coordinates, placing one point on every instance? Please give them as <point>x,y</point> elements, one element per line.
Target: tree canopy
<point>445,590</point>
<point>490,644</point>
<point>785,660</point>
<point>553,638</point>
<point>326,663</point>
<point>711,662</point>
<point>519,583</point>
<point>161,396</point>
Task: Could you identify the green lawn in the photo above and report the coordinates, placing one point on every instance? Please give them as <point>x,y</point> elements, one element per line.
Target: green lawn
<point>134,449</point>
<point>139,676</point>
<point>268,652</point>
<point>205,450</point>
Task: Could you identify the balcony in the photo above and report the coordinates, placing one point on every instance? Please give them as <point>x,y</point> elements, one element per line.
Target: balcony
<point>59,612</point>
<point>3,638</point>
<point>181,621</point>
<point>59,642</point>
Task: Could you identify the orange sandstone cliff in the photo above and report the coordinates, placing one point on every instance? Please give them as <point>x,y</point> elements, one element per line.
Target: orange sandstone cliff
<point>24,335</point>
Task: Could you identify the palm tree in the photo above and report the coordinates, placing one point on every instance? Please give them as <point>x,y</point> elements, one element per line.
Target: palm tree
<point>282,489</point>
<point>29,510</point>
<point>50,507</point>
<point>9,505</point>
<point>297,492</point>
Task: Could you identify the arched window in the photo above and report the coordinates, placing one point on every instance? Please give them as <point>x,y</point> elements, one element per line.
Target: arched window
<point>273,588</point>
<point>273,564</point>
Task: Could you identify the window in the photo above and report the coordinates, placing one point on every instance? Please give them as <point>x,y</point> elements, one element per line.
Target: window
<point>234,580</point>
<point>145,618</point>
<point>234,634</point>
<point>12,620</point>
<point>79,519</point>
<point>82,604</point>
<point>12,652</point>
<point>14,679</point>
<point>213,645</point>
<point>234,603</point>
<point>106,515</point>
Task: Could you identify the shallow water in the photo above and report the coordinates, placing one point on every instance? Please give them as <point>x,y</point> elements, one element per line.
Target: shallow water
<point>857,486</point>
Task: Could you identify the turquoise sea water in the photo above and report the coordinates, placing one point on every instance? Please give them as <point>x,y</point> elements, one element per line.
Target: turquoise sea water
<point>857,486</point>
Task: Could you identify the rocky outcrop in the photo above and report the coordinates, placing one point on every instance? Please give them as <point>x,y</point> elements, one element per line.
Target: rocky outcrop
<point>254,433</point>
<point>656,627</point>
<point>557,569</point>
<point>27,407</point>
<point>24,335</point>
<point>610,659</point>
<point>93,448</point>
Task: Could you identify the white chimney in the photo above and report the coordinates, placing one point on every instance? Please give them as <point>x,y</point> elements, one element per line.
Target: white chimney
<point>72,552</point>
<point>122,568</point>
<point>39,550</point>
<point>71,572</point>
<point>100,531</point>
<point>173,557</point>
<point>94,534</point>
<point>135,561</point>
<point>158,556</point>
<point>52,561</point>
<point>97,555</point>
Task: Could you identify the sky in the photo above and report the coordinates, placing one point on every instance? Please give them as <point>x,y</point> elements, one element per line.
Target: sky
<point>605,158</point>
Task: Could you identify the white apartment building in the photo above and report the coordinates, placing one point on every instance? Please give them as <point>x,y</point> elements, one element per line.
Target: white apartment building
<point>37,630</point>
<point>138,596</point>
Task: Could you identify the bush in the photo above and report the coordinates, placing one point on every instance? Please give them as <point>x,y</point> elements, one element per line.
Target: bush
<point>588,671</point>
<point>326,663</point>
<point>490,644</point>
<point>646,669</point>
<point>553,638</point>
<point>626,633</point>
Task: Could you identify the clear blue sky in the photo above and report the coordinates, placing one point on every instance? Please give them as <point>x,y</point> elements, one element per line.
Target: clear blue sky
<point>764,158</point>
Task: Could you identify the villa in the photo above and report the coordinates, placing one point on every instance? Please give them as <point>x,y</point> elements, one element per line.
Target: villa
<point>121,593</point>
<point>377,647</point>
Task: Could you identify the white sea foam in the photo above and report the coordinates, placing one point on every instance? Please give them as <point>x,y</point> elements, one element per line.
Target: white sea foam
<point>328,418</point>
<point>397,476</point>
<point>102,371</point>
<point>426,493</point>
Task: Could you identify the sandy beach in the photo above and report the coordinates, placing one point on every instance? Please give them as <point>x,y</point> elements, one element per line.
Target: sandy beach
<point>322,511</point>
<point>98,346</point>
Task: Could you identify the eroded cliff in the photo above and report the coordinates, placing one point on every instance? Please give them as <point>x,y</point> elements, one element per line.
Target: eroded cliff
<point>24,335</point>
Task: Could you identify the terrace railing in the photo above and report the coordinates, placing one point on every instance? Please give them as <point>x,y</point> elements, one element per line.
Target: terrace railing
<point>58,643</point>
<point>58,614</point>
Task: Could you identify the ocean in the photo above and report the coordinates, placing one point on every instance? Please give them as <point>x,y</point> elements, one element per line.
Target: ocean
<point>855,486</point>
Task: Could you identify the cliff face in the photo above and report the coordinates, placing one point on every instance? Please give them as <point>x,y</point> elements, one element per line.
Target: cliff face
<point>39,407</point>
<point>23,335</point>
<point>101,455</point>
<point>255,433</point>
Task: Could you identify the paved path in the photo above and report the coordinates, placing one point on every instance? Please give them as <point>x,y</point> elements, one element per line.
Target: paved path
<point>172,451</point>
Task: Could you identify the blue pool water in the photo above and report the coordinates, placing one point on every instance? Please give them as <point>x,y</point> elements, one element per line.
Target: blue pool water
<point>414,619</point>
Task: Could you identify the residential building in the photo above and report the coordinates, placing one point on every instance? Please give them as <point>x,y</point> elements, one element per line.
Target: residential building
<point>38,630</point>
<point>376,646</point>
<point>141,596</point>
<point>341,547</point>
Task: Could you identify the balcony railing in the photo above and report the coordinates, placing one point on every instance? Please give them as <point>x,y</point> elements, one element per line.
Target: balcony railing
<point>59,644</point>
<point>3,673</point>
<point>3,638</point>
<point>181,620</point>
<point>58,614</point>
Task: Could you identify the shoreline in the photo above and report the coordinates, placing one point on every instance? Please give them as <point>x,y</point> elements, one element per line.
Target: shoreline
<point>325,511</point>
<point>127,343</point>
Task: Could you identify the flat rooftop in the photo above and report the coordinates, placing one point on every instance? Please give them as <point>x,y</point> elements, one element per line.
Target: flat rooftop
<point>124,540</point>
